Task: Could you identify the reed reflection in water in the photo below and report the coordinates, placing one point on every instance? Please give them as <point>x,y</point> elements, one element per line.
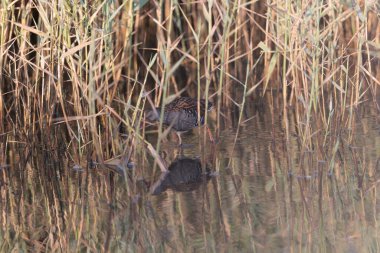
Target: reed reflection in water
<point>270,194</point>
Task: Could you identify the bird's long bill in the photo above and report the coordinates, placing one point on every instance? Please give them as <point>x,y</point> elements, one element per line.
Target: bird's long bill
<point>153,115</point>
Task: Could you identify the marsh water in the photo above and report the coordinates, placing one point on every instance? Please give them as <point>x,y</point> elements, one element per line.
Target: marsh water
<point>258,188</point>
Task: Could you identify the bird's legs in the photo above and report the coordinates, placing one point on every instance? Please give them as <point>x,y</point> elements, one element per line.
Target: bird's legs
<point>180,144</point>
<point>179,138</point>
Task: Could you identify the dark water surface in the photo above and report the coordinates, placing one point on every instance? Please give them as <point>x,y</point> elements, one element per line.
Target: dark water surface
<point>263,190</point>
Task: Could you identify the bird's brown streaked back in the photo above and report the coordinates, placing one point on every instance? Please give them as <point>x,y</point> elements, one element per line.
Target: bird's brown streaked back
<point>181,114</point>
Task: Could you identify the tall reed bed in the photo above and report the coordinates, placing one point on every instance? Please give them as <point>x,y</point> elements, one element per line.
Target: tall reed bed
<point>91,65</point>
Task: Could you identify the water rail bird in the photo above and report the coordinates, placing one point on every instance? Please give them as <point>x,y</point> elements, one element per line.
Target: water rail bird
<point>181,114</point>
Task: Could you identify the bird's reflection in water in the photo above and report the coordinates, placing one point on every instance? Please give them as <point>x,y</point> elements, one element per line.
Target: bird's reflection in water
<point>184,174</point>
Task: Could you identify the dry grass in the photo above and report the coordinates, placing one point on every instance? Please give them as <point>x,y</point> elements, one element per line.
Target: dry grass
<point>78,75</point>
<point>92,65</point>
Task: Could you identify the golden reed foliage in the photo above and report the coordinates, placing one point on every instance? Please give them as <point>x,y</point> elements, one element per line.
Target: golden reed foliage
<point>90,65</point>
